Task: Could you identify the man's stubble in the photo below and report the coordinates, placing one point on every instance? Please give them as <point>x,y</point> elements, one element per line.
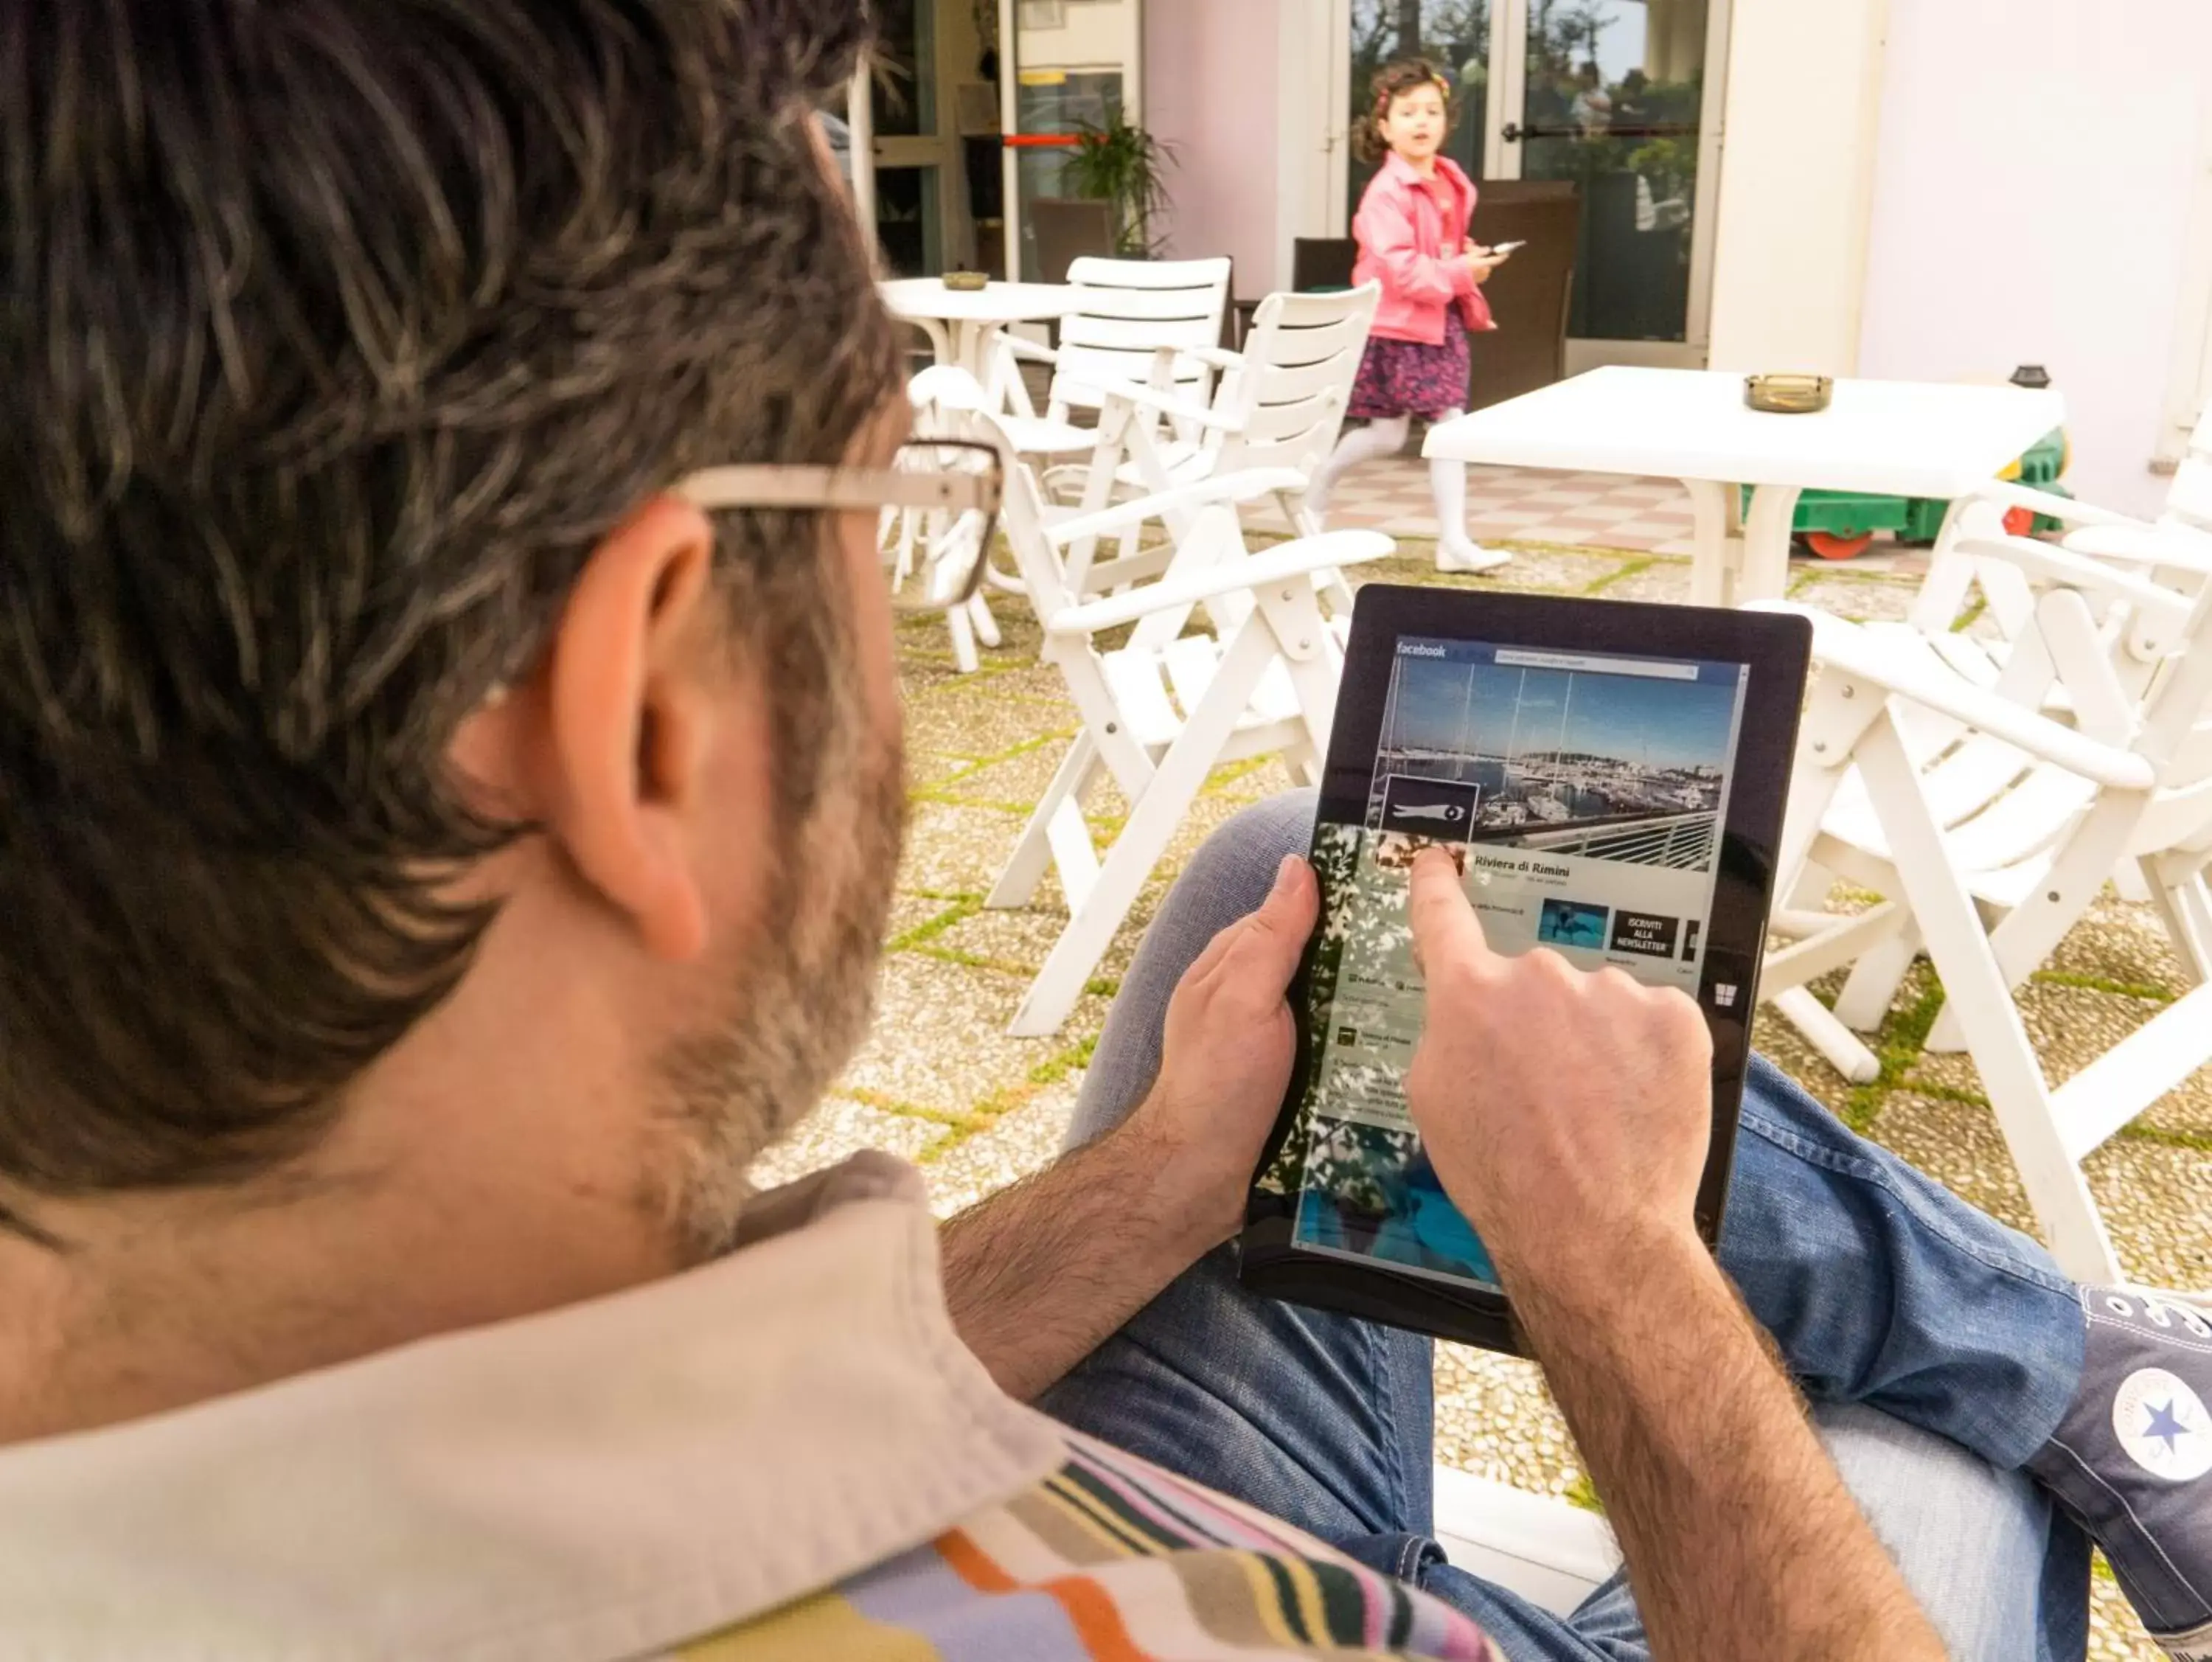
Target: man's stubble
<point>805,982</point>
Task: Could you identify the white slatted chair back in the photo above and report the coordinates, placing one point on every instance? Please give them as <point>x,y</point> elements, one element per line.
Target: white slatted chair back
<point>1279,410</point>
<point>2104,650</point>
<point>2005,594</point>
<point>1130,310</point>
<point>2175,732</point>
<point>1289,398</point>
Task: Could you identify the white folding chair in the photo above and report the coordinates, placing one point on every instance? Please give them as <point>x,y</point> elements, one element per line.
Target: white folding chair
<point>1555,1554</point>
<point>1281,405</point>
<point>1549,1551</point>
<point>2188,509</point>
<point>2184,522</point>
<point>1139,320</point>
<point>1988,826</point>
<point>1164,706</point>
<point>2002,587</point>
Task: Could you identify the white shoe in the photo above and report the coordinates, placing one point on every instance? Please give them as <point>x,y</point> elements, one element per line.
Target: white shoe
<point>1459,554</point>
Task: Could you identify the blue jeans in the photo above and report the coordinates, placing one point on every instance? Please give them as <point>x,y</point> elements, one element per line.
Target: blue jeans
<point>1939,1348</point>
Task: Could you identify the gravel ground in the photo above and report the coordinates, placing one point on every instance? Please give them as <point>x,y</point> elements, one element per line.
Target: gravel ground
<point>940,1082</point>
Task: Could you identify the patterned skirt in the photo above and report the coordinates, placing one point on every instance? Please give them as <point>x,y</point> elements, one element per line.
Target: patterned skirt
<point>1410,377</point>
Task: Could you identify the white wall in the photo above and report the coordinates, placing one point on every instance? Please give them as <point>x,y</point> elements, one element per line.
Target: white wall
<point>1797,181</point>
<point>2032,189</point>
<point>1211,91</point>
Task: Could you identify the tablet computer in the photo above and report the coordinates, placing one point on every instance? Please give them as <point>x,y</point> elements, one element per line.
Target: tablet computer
<point>1610,779</point>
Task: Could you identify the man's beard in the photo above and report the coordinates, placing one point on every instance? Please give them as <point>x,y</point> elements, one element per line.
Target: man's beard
<point>804,984</point>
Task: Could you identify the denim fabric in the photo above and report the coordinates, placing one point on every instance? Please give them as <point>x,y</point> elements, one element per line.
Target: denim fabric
<point>1884,1291</point>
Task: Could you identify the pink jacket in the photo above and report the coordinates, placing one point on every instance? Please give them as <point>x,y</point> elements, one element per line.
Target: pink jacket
<point>1411,232</point>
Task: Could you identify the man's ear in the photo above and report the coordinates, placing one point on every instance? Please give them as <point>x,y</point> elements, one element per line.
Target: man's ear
<point>630,706</point>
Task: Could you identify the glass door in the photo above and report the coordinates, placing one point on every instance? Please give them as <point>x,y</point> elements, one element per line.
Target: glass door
<point>923,142</point>
<point>1622,97</point>
<point>1454,36</point>
<point>908,149</point>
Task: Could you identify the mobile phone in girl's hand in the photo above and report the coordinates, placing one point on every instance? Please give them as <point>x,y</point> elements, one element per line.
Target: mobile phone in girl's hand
<point>1505,248</point>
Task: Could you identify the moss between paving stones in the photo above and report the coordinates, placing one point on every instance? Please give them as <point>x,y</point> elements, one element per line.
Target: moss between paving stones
<point>1007,1148</point>
<point>834,1130</point>
<point>1660,578</point>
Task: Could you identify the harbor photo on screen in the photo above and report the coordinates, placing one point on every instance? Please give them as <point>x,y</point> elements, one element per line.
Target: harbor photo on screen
<point>1563,757</point>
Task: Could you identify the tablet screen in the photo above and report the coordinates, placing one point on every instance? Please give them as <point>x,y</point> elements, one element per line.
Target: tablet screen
<point>1584,796</point>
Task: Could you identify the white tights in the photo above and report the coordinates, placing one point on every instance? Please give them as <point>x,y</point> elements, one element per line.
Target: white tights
<point>1378,439</point>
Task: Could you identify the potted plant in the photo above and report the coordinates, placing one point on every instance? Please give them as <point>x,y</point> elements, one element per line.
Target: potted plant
<point>1122,164</point>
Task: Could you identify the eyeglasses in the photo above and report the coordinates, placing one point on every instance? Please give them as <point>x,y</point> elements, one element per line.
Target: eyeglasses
<point>939,501</point>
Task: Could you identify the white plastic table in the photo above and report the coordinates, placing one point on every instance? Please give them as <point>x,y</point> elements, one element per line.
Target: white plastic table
<point>962,325</point>
<point>1889,438</point>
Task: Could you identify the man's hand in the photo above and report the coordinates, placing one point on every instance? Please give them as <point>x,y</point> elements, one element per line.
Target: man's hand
<point>1038,1274</point>
<point>1568,1114</point>
<point>1226,1055</point>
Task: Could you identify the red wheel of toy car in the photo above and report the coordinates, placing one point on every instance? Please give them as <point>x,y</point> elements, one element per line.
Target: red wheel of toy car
<point>2019,521</point>
<point>1831,547</point>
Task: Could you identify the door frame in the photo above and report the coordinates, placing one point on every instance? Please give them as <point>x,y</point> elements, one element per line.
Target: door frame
<point>1506,90</point>
<point>860,151</point>
<point>1506,97</point>
<point>1338,142</point>
<point>1310,167</point>
<point>1712,148</point>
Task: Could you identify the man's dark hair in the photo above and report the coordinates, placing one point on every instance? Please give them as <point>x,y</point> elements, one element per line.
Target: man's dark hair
<point>337,333</point>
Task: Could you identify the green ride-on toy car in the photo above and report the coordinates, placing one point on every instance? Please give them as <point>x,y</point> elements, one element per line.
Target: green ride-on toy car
<point>1838,525</point>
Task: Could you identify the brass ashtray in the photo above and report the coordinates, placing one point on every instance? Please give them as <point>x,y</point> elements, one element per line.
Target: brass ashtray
<point>1788,395</point>
<point>966,282</point>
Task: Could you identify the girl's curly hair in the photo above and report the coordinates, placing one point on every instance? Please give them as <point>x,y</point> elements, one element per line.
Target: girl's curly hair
<point>1392,82</point>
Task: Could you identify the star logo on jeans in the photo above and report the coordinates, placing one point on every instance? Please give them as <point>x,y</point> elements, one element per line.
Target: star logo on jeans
<point>2161,1426</point>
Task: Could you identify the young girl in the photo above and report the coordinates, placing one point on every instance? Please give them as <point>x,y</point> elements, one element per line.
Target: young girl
<point>1411,231</point>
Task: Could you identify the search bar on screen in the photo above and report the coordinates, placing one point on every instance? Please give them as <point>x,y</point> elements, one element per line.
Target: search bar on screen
<point>1650,670</point>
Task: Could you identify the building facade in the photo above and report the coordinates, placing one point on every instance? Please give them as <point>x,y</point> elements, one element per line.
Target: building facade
<point>1910,189</point>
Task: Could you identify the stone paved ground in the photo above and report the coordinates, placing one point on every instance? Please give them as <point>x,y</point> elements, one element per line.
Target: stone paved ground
<point>941,1082</point>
